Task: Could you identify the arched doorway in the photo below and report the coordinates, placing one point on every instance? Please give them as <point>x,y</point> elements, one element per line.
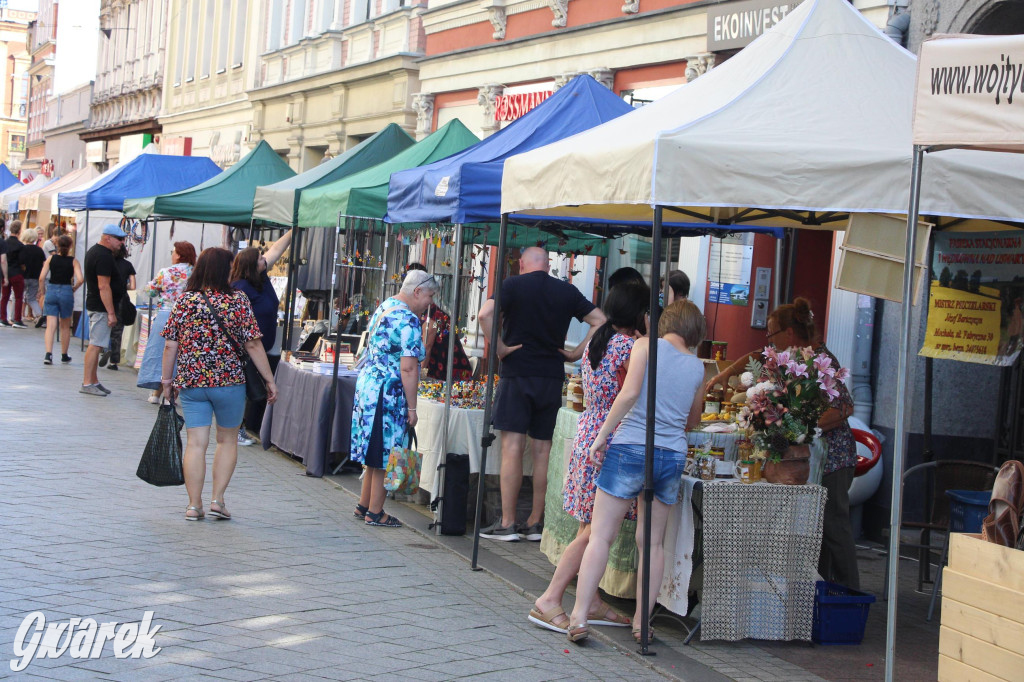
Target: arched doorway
<point>999,18</point>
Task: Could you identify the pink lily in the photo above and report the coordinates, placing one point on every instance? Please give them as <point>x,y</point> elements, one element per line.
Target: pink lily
<point>796,369</point>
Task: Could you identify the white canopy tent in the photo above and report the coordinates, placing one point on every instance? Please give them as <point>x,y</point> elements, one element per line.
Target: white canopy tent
<point>813,116</point>
<point>809,123</point>
<point>12,193</point>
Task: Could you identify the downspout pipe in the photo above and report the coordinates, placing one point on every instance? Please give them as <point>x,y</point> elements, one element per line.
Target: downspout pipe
<point>897,27</point>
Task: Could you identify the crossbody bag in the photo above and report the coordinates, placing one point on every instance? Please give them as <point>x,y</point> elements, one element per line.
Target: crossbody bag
<point>255,386</point>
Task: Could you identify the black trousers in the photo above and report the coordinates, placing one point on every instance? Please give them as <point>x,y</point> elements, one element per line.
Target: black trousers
<point>116,332</point>
<point>838,561</point>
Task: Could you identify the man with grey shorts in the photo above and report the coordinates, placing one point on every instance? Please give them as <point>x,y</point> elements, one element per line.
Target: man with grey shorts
<point>101,282</point>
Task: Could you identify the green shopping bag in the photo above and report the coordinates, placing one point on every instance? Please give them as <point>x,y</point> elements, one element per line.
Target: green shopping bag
<point>402,474</point>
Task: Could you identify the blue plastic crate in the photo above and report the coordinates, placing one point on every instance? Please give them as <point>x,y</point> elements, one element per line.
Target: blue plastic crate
<point>840,614</point>
<point>967,509</point>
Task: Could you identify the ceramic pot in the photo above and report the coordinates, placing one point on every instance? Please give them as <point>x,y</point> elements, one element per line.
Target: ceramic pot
<point>792,469</point>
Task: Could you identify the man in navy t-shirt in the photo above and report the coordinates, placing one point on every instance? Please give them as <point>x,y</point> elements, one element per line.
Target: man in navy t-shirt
<point>536,310</point>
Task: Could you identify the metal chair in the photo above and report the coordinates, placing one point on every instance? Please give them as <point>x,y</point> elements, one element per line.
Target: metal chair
<point>940,476</point>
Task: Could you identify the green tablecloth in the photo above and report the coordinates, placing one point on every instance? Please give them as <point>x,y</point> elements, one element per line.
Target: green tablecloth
<point>560,528</point>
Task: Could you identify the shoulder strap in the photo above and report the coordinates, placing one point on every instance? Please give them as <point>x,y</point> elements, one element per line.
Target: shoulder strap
<point>376,323</point>
<point>224,328</point>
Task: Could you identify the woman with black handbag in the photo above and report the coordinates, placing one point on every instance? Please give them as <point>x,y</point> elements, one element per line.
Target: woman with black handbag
<point>213,338</point>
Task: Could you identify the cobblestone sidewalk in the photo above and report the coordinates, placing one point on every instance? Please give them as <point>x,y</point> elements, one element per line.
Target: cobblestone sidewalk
<point>292,588</point>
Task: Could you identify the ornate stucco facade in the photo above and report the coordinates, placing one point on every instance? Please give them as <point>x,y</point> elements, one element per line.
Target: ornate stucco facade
<point>332,73</point>
<point>130,71</point>
<point>42,49</point>
<point>997,17</point>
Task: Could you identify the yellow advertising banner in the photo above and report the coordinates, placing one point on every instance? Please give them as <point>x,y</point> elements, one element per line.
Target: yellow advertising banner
<point>962,326</point>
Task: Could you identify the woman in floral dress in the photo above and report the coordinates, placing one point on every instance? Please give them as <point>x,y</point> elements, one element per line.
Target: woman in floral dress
<point>164,290</point>
<point>605,362</point>
<point>208,326</point>
<point>385,398</point>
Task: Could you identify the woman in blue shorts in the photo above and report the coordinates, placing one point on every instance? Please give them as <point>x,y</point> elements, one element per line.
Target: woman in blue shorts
<point>679,381</point>
<point>57,296</point>
<point>210,322</point>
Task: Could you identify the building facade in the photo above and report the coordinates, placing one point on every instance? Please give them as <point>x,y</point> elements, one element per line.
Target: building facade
<point>14,89</point>
<point>333,72</point>
<point>205,108</point>
<point>129,75</point>
<point>67,117</point>
<point>42,50</point>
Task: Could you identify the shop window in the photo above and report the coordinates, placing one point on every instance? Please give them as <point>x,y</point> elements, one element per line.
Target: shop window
<point>17,143</point>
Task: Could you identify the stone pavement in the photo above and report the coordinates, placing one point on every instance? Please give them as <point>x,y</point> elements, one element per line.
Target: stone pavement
<point>292,588</point>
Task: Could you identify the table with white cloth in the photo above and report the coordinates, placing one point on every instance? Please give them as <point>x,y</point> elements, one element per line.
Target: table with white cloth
<point>297,423</point>
<point>759,542</point>
<point>465,431</point>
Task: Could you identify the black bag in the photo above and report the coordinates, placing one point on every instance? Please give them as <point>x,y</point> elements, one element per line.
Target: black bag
<point>127,313</point>
<point>161,460</point>
<point>455,473</point>
<point>255,387</point>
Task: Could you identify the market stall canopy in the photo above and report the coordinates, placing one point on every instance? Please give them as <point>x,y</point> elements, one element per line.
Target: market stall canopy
<point>45,200</point>
<point>9,197</point>
<point>142,176</point>
<point>279,203</point>
<point>466,188</point>
<point>7,178</point>
<point>966,85</point>
<point>101,178</point>
<point>225,198</point>
<point>365,194</point>
<point>811,120</point>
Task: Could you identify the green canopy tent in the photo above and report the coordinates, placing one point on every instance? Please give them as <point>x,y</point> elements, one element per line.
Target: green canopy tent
<point>226,198</point>
<point>279,203</point>
<point>365,194</point>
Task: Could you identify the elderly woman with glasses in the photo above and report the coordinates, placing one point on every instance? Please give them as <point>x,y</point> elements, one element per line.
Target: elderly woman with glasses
<point>792,326</point>
<point>385,398</point>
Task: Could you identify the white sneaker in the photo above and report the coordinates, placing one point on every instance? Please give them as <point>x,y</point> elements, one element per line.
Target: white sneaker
<point>153,400</point>
<point>243,438</point>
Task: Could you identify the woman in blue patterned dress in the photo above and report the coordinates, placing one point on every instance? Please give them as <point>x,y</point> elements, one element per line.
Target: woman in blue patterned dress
<point>385,398</point>
<point>605,362</point>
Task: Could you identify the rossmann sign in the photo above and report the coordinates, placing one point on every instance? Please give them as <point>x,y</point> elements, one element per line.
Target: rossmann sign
<point>732,25</point>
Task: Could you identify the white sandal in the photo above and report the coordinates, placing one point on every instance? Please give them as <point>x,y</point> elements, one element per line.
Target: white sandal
<point>223,513</point>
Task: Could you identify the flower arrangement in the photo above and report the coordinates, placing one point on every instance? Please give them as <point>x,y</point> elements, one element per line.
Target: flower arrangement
<point>786,395</point>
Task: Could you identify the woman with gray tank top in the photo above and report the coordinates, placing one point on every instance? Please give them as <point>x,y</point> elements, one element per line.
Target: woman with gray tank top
<point>680,377</point>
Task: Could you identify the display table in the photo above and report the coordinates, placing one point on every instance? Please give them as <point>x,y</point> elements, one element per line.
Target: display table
<point>465,431</point>
<point>759,568</point>
<point>297,423</point>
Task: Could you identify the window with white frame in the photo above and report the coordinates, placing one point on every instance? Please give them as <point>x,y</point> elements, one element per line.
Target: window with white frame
<point>239,46</point>
<point>297,21</point>
<point>275,21</point>
<point>193,45</point>
<point>224,38</point>
<point>179,69</point>
<point>211,21</point>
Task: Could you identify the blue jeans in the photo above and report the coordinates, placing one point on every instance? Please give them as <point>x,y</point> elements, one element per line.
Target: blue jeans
<point>199,405</point>
<point>59,301</point>
<point>622,473</point>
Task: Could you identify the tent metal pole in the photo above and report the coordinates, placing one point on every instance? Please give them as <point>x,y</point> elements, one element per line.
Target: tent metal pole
<point>152,274</point>
<point>292,275</point>
<point>652,393</point>
<point>334,278</point>
<point>492,362</point>
<point>900,445</point>
<point>453,326</point>
<point>777,277</point>
<point>84,320</point>
<point>332,396</point>
<point>384,262</point>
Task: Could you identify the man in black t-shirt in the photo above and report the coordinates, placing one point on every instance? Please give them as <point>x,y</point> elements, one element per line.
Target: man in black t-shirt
<point>536,310</point>
<point>101,285</point>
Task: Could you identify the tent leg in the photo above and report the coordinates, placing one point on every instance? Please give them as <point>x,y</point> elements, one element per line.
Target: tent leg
<point>453,326</point>
<point>85,285</point>
<point>652,392</point>
<point>900,445</point>
<point>492,363</point>
<point>152,271</point>
<point>332,399</point>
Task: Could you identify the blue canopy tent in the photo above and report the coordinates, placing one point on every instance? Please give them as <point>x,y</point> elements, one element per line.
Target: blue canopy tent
<point>145,175</point>
<point>7,178</point>
<point>466,187</point>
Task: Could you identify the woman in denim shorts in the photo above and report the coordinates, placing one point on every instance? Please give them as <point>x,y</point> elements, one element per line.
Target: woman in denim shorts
<point>209,323</point>
<point>57,296</point>
<point>679,381</point>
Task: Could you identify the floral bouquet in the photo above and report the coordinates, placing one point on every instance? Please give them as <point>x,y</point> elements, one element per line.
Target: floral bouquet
<point>786,395</point>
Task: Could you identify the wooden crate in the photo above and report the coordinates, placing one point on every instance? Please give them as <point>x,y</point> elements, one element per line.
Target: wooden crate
<point>982,632</point>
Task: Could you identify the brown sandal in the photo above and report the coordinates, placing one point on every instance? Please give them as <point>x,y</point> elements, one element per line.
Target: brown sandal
<point>577,633</point>
<point>546,619</point>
